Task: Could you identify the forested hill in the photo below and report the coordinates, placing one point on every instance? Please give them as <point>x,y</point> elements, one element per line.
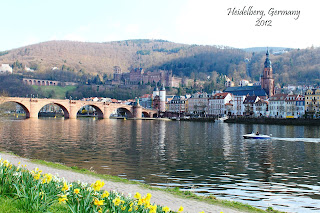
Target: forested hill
<point>102,57</point>
<point>196,61</point>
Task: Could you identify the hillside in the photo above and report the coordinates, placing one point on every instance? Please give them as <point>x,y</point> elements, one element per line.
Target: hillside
<point>196,61</point>
<point>101,57</point>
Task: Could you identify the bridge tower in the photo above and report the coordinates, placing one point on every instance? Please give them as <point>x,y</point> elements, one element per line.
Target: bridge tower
<point>137,109</point>
<point>162,99</point>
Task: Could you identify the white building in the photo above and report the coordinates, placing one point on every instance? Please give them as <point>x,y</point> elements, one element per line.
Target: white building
<point>260,108</point>
<point>198,104</point>
<point>277,105</point>
<point>218,103</point>
<point>249,104</point>
<point>228,82</point>
<point>300,106</point>
<point>155,93</point>
<point>177,104</point>
<point>5,68</point>
<point>238,107</point>
<point>244,83</point>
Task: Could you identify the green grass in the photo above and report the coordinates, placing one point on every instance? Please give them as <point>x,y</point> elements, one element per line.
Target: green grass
<point>9,205</point>
<point>59,92</point>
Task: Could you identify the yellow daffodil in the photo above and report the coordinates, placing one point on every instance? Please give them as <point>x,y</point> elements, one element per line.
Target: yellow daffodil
<point>166,209</point>
<point>116,201</point>
<point>105,194</point>
<point>76,191</point>
<point>47,178</point>
<point>63,199</point>
<point>37,170</point>
<point>97,185</point>
<point>37,176</point>
<point>65,187</point>
<point>153,209</point>
<point>5,163</point>
<point>98,202</point>
<point>137,196</point>
<point>180,209</point>
<point>123,208</point>
<point>41,194</point>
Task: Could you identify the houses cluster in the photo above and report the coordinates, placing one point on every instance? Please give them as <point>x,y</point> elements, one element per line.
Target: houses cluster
<point>255,100</point>
<point>225,103</point>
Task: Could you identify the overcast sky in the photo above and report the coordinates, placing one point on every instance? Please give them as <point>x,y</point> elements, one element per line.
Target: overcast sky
<point>203,22</point>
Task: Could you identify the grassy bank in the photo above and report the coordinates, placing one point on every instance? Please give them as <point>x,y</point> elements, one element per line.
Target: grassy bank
<point>10,205</point>
<point>174,191</point>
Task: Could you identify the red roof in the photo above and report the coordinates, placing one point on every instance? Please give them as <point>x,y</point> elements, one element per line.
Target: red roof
<point>114,100</point>
<point>222,95</point>
<point>278,97</point>
<point>146,96</point>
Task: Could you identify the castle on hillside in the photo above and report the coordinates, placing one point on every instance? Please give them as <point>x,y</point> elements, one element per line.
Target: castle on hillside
<point>138,76</point>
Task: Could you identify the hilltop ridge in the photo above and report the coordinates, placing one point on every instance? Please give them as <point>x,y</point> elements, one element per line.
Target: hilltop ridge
<point>196,61</point>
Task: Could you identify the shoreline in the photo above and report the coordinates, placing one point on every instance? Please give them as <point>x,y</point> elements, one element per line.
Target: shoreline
<point>159,196</point>
<point>275,121</point>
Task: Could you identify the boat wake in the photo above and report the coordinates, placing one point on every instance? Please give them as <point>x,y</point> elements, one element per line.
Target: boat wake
<point>309,140</point>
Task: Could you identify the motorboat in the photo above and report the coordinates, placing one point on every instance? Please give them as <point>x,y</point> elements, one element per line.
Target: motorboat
<point>256,136</point>
<point>223,118</point>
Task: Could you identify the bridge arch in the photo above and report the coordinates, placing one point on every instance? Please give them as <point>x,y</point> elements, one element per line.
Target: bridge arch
<point>64,109</point>
<point>125,112</point>
<point>97,108</point>
<point>26,110</point>
<point>145,114</point>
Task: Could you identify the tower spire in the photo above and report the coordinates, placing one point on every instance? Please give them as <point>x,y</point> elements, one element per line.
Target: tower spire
<point>267,81</point>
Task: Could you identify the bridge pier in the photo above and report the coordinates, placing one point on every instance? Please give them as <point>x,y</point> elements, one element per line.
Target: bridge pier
<point>106,112</point>
<point>73,110</point>
<point>137,111</point>
<point>33,109</point>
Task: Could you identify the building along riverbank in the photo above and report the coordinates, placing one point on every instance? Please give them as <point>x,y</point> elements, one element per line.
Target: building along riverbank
<point>275,121</point>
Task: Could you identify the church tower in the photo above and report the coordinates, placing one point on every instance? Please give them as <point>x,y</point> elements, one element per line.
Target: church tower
<point>267,81</point>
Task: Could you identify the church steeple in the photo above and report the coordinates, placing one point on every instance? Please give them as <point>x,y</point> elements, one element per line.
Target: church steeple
<point>267,81</point>
<point>267,62</point>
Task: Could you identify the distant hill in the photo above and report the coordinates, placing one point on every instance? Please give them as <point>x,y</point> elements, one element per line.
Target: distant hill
<point>94,57</point>
<point>197,61</point>
<point>263,49</point>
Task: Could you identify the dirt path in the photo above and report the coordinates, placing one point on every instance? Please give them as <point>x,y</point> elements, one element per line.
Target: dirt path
<point>158,197</point>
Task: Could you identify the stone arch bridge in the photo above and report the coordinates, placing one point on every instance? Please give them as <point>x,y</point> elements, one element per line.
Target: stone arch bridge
<point>32,106</point>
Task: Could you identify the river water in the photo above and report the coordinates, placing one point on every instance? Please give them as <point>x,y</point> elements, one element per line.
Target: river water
<point>206,158</point>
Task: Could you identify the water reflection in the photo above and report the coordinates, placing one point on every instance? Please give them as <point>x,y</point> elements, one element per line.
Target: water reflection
<point>207,158</point>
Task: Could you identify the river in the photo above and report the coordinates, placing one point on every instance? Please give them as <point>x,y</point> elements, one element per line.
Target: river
<point>206,158</point>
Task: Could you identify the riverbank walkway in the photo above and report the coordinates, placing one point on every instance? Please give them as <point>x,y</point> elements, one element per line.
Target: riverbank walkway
<point>159,197</point>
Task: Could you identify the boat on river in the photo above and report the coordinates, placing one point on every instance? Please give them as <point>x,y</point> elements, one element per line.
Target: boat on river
<point>256,136</point>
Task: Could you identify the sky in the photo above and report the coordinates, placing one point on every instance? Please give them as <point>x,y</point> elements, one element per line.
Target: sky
<point>202,22</point>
